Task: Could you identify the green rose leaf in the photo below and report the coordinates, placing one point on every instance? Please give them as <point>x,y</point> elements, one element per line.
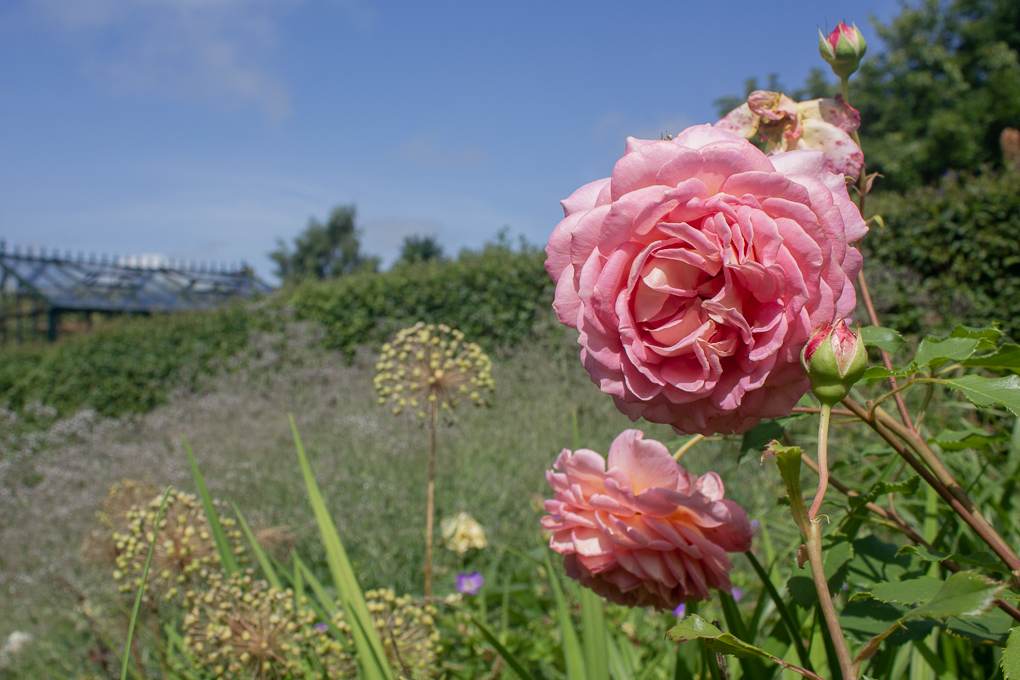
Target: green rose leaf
<point>1010,661</point>
<point>982,391</point>
<point>1006,358</point>
<point>973,438</point>
<point>696,628</point>
<point>935,351</point>
<point>966,593</point>
<point>883,338</point>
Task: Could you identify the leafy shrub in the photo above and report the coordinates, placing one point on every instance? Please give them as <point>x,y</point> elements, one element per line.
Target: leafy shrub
<point>127,366</point>
<point>949,253</point>
<point>495,297</point>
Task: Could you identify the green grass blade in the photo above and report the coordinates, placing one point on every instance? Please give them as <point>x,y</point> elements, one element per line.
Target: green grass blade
<point>619,668</point>
<point>260,554</point>
<point>215,528</point>
<point>141,589</point>
<point>784,612</point>
<point>366,638</point>
<point>573,658</point>
<point>593,627</point>
<point>512,661</point>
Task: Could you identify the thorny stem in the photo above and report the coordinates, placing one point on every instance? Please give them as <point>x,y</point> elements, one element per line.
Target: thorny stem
<point>431,503</point>
<point>862,283</point>
<point>813,534</point>
<point>894,521</point>
<point>823,460</point>
<point>893,432</point>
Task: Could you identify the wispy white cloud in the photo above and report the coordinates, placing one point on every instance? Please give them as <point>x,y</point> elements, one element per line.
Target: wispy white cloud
<point>215,50</point>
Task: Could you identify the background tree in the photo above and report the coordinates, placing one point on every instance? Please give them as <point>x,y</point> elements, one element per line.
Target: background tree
<point>418,248</point>
<point>324,251</point>
<point>943,90</point>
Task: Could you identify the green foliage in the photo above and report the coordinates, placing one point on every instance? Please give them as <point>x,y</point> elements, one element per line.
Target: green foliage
<point>324,251</point>
<point>125,367</point>
<point>941,91</point>
<point>948,254</point>
<point>417,248</point>
<point>497,296</point>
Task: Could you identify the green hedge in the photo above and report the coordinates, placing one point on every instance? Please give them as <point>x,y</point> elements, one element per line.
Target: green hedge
<point>126,366</point>
<point>948,253</point>
<point>495,297</point>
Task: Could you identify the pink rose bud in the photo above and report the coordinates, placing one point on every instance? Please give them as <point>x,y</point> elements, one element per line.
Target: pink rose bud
<point>843,49</point>
<point>834,358</point>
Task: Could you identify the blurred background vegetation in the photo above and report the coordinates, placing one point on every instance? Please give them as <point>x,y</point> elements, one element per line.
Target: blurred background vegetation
<point>938,93</point>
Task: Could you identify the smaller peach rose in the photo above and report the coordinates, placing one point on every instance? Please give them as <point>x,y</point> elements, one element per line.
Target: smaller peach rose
<point>643,532</point>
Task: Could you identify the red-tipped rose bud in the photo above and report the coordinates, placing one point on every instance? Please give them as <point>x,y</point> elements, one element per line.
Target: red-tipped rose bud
<point>843,49</point>
<point>834,358</point>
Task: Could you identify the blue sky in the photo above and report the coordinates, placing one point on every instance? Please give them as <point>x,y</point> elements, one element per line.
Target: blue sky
<point>207,129</point>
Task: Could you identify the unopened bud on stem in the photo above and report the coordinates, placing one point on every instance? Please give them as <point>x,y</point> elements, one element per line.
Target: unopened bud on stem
<point>834,358</point>
<point>843,49</point>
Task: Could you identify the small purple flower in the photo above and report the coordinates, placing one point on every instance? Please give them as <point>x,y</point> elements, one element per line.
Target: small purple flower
<point>470,583</point>
<point>321,625</point>
<point>755,524</point>
<point>737,593</point>
<point>680,611</point>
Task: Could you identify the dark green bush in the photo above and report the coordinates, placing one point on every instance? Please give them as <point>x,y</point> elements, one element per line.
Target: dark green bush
<point>948,253</point>
<point>495,297</point>
<point>124,367</point>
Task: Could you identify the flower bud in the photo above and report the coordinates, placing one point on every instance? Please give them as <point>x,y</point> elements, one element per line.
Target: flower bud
<point>834,358</point>
<point>843,49</point>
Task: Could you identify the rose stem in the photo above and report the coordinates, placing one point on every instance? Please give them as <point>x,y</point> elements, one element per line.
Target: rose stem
<point>813,535</point>
<point>823,460</point>
<point>862,283</point>
<point>431,503</point>
<point>896,522</point>
<point>812,531</point>
<point>885,427</point>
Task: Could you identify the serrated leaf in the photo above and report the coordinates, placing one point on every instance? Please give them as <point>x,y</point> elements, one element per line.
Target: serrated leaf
<point>881,372</point>
<point>993,627</point>
<point>759,436</point>
<point>883,338</point>
<point>1006,358</point>
<point>965,593</point>
<point>983,560</point>
<point>1010,660</point>
<point>982,391</point>
<point>908,486</point>
<point>972,438</point>
<point>696,628</point>
<point>987,335</point>
<point>935,351</point>
<point>911,591</point>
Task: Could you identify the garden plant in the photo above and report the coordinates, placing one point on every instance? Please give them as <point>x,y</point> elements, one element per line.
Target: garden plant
<point>716,286</point>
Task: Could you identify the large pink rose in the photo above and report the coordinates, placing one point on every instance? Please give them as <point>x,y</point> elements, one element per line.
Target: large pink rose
<point>645,532</point>
<point>696,273</point>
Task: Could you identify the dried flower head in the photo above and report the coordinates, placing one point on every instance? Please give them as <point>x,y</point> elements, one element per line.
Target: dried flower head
<point>429,368</point>
<point>461,533</point>
<point>240,627</point>
<point>407,630</point>
<point>184,546</point>
<point>123,497</point>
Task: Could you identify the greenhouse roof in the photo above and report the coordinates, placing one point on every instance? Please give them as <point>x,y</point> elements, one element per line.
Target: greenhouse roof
<point>119,284</point>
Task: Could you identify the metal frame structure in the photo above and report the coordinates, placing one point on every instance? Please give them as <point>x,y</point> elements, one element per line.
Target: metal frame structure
<point>39,289</point>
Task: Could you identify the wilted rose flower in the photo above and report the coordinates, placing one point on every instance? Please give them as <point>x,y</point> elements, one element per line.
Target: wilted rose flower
<point>645,532</point>
<point>817,125</point>
<point>696,273</point>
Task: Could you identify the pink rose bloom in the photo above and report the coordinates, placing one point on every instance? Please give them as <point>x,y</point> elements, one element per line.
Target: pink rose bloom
<point>696,273</point>
<point>645,532</point>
